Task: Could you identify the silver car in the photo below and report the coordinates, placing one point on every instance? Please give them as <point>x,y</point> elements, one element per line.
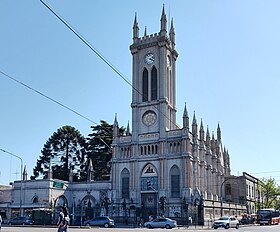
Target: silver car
<point>161,223</point>
<point>100,221</point>
<point>226,222</point>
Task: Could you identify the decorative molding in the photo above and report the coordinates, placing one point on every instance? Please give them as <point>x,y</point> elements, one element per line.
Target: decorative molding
<point>148,136</point>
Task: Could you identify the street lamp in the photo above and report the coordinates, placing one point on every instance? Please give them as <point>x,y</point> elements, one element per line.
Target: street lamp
<point>21,166</point>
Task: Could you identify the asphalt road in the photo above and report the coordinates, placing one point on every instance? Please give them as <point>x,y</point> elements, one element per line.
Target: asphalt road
<point>180,229</point>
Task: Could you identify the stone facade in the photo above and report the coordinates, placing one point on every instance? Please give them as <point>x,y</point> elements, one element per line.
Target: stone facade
<point>244,190</point>
<point>83,199</point>
<point>159,160</point>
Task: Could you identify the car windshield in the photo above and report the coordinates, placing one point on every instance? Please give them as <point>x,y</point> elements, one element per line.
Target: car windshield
<point>223,218</point>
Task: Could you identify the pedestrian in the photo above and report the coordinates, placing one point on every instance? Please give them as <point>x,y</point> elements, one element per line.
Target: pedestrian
<point>0,221</point>
<point>190,220</point>
<point>66,218</point>
<point>141,223</point>
<point>62,222</point>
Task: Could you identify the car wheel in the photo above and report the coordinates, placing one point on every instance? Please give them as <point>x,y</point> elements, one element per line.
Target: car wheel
<point>215,227</point>
<point>237,226</point>
<point>106,225</point>
<point>149,226</point>
<point>227,226</point>
<point>167,226</point>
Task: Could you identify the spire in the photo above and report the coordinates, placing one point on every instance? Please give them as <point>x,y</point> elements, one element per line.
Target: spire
<point>207,137</point>
<point>24,174</point>
<point>186,118</point>
<point>228,158</point>
<point>163,22</point>
<point>213,144</point>
<point>135,29</point>
<point>219,137</point>
<point>201,132</point>
<point>194,125</point>
<point>90,173</point>
<point>172,33</point>
<point>128,130</point>
<point>116,127</point>
<point>145,32</point>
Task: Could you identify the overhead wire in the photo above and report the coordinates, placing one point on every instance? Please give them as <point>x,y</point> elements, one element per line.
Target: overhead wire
<point>92,48</point>
<point>53,100</point>
<point>102,57</point>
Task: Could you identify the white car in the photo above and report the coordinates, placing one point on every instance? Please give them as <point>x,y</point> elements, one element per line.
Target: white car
<point>226,222</point>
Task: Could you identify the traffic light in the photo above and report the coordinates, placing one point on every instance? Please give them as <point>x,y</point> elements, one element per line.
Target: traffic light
<point>162,204</point>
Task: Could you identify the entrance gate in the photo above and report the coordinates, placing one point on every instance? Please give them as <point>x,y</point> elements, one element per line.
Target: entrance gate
<point>149,205</point>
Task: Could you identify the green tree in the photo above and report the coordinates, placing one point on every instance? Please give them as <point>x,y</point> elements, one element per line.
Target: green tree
<point>269,191</point>
<point>99,149</point>
<point>64,150</point>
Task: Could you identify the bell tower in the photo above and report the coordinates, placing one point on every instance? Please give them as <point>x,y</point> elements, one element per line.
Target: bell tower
<point>154,81</point>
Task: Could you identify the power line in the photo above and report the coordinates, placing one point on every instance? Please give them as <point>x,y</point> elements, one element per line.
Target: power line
<point>44,95</point>
<point>103,58</point>
<point>55,101</point>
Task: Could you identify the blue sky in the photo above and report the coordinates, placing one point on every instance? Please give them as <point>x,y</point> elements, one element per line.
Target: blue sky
<point>227,72</point>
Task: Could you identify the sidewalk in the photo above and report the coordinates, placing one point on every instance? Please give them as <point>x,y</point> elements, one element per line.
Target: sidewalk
<point>208,227</point>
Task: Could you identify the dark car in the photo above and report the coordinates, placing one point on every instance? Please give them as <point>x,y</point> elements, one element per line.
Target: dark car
<point>161,223</point>
<point>100,221</point>
<point>21,220</point>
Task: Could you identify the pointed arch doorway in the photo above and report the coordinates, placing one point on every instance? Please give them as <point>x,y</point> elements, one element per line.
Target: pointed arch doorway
<point>149,192</point>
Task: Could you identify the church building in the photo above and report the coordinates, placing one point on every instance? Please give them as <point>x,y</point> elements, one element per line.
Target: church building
<point>157,169</point>
<point>159,166</point>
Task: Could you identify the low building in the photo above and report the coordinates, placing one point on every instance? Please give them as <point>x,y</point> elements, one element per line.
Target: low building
<point>243,190</point>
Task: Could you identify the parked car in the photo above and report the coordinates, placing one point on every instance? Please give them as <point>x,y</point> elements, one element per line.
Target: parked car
<point>100,221</point>
<point>161,223</point>
<point>21,220</point>
<point>226,222</point>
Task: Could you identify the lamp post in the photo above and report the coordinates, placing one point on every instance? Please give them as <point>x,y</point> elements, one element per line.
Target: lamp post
<point>21,168</point>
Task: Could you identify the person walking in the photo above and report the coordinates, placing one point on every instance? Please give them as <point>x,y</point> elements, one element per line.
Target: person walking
<point>60,221</point>
<point>66,218</point>
<point>190,220</point>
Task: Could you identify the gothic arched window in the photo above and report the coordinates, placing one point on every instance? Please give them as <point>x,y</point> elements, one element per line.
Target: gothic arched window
<point>35,199</point>
<point>175,182</point>
<point>145,85</point>
<point>154,84</point>
<point>125,183</point>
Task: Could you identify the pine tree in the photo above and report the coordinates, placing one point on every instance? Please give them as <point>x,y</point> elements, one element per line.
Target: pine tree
<point>64,150</point>
<point>99,149</point>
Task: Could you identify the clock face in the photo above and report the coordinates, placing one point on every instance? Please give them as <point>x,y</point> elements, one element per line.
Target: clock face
<point>149,118</point>
<point>149,58</point>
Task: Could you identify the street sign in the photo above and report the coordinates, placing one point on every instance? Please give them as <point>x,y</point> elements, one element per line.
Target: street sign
<point>58,184</point>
